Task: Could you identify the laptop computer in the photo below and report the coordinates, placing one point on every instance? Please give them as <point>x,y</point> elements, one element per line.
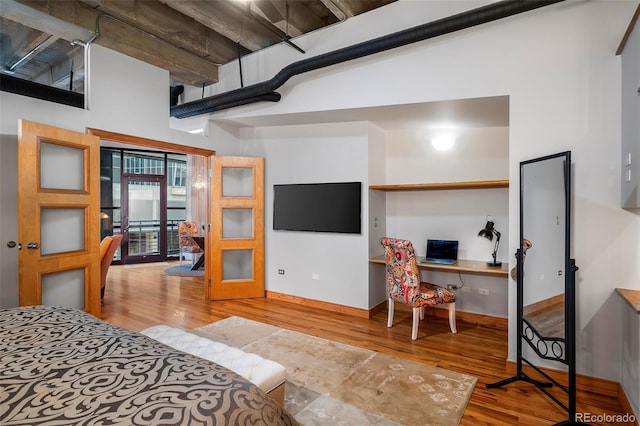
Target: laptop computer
<point>442,252</point>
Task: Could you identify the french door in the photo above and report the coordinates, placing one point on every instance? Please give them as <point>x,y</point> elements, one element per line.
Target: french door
<point>58,217</point>
<point>235,260</point>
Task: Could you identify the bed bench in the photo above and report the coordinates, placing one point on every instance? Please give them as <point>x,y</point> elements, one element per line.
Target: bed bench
<point>266,374</point>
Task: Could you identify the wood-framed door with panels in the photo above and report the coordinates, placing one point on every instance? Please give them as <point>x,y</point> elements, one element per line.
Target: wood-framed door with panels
<point>236,249</point>
<point>58,217</point>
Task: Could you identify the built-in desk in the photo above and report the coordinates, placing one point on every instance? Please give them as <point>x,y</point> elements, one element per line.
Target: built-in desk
<point>467,266</point>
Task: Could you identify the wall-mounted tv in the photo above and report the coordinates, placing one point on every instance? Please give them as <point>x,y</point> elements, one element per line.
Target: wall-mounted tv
<point>318,207</point>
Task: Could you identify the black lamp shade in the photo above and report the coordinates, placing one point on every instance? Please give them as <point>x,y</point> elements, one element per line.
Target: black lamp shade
<point>487,232</point>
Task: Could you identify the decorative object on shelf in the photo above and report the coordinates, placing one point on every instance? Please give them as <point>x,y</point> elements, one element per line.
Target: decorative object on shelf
<point>488,232</point>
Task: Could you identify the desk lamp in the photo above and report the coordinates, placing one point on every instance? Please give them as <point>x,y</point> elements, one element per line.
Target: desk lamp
<point>488,232</point>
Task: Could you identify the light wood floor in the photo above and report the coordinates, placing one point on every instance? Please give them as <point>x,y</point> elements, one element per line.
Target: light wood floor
<point>138,296</point>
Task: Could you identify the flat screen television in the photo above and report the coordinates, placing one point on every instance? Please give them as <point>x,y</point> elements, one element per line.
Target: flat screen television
<point>318,207</point>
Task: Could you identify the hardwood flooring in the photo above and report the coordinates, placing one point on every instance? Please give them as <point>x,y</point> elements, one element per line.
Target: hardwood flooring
<point>139,296</point>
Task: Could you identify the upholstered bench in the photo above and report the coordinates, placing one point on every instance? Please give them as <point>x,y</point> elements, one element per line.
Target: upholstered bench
<point>266,374</point>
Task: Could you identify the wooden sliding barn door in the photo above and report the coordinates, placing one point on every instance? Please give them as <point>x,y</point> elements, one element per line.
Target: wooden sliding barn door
<point>58,217</point>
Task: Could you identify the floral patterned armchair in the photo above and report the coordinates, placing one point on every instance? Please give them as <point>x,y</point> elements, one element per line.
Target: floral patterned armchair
<point>186,232</point>
<point>403,284</point>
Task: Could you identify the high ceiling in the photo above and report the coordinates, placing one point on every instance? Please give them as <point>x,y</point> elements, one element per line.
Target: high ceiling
<point>189,38</point>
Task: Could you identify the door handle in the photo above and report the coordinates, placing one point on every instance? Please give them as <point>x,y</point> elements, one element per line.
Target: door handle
<point>32,246</point>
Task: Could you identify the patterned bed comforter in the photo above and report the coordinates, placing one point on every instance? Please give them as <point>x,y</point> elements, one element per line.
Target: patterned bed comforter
<point>63,366</point>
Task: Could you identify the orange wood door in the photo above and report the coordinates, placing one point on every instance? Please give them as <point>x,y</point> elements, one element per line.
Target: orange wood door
<point>58,217</point>
<point>235,260</point>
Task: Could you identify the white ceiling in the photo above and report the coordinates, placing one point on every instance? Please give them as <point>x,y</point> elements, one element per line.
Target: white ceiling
<point>459,113</point>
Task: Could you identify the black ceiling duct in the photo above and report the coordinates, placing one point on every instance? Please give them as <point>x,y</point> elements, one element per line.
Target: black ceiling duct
<point>426,31</point>
<point>174,94</point>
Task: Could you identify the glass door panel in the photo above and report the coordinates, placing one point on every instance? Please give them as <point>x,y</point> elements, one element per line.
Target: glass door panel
<point>237,265</point>
<point>64,289</point>
<point>61,167</point>
<point>237,182</point>
<point>237,223</point>
<point>144,218</point>
<point>61,230</point>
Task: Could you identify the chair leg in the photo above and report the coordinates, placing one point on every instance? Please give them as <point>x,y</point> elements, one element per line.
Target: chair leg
<point>416,322</point>
<point>452,318</point>
<point>390,315</point>
<point>421,313</point>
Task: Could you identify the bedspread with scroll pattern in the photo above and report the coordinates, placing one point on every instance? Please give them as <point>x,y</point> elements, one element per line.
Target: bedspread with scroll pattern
<point>62,366</point>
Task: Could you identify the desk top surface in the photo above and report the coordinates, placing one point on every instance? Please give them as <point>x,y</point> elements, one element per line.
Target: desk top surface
<point>462,265</point>
<point>631,296</point>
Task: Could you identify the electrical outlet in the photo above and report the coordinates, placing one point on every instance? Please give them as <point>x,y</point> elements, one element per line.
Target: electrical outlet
<point>484,291</point>
<point>280,271</point>
<point>466,289</point>
<point>452,287</point>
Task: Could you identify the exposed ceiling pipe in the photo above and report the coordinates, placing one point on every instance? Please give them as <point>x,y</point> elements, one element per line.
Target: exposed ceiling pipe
<point>471,18</point>
<point>174,94</point>
<point>11,69</point>
<point>264,97</point>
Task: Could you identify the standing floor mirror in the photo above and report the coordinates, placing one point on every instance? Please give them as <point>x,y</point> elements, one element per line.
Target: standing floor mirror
<point>546,280</point>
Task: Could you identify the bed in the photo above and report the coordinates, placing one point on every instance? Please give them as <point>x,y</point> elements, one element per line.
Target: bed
<point>64,366</point>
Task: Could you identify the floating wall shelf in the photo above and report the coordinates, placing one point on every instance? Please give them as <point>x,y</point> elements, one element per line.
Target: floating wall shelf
<point>480,184</point>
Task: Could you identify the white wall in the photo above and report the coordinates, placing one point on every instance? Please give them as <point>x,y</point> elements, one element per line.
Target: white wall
<point>478,154</point>
<point>377,211</point>
<point>312,154</point>
<point>558,66</point>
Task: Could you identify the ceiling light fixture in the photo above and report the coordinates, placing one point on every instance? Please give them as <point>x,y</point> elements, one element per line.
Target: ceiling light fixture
<point>443,143</point>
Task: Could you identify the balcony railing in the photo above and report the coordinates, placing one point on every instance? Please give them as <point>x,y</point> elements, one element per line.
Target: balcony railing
<point>144,238</point>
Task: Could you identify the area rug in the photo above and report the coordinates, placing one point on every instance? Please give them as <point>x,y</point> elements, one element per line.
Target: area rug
<point>183,271</point>
<point>330,383</point>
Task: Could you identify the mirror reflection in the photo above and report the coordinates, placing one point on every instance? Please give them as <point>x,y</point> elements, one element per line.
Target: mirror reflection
<point>544,244</point>
<point>543,216</point>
